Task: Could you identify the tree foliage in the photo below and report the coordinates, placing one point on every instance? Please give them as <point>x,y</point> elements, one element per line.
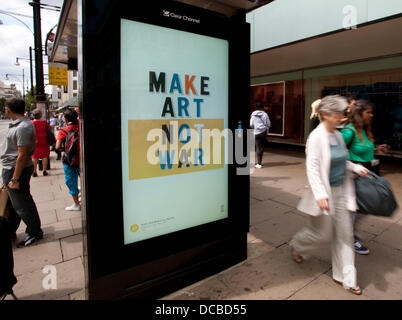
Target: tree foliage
<point>30,100</point>
<point>2,103</point>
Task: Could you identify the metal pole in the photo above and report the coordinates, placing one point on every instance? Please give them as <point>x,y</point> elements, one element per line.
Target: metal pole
<point>30,60</point>
<point>23,84</point>
<point>40,90</point>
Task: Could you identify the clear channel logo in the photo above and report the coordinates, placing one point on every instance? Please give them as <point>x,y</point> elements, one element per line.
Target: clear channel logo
<point>169,14</point>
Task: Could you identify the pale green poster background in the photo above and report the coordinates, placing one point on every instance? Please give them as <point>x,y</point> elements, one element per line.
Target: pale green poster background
<point>162,205</point>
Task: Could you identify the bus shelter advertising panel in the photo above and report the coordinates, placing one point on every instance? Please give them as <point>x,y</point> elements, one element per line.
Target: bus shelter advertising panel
<point>174,108</point>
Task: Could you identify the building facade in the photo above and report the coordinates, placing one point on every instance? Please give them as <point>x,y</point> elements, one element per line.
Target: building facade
<point>300,53</point>
<point>9,91</point>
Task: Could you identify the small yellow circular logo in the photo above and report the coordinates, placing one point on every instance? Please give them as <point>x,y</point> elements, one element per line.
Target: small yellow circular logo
<point>134,228</point>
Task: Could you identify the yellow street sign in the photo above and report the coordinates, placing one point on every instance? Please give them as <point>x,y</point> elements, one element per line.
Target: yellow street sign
<point>58,76</point>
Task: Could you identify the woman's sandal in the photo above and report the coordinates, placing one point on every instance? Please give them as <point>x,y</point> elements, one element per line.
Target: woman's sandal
<point>357,291</point>
<point>297,257</point>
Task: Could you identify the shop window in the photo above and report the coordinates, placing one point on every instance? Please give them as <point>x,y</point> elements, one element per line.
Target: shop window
<point>272,97</point>
<point>284,104</point>
<point>383,89</point>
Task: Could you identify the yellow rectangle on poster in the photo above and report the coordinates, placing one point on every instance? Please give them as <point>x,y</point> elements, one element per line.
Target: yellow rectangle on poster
<point>58,76</point>
<point>203,152</point>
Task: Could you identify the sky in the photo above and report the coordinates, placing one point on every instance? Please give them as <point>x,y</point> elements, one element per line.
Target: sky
<point>15,39</point>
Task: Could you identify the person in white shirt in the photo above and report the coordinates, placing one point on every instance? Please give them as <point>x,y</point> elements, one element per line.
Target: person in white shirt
<point>261,124</point>
<point>330,197</point>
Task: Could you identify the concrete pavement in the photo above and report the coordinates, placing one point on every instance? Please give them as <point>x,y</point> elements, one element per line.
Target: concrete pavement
<point>61,246</point>
<point>268,273</point>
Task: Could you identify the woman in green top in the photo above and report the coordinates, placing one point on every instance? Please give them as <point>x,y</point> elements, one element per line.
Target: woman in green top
<point>358,136</point>
<point>360,142</point>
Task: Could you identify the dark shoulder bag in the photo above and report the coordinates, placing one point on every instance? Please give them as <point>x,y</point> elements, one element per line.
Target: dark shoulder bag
<point>374,196</point>
<point>51,139</point>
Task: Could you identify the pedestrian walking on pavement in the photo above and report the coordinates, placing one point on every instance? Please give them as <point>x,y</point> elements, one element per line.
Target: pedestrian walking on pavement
<point>261,124</point>
<point>18,168</point>
<point>69,135</point>
<point>314,119</point>
<point>360,141</point>
<point>53,125</point>
<point>42,149</point>
<point>331,197</point>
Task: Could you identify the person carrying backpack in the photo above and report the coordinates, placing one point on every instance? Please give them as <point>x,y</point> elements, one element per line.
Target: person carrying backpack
<point>70,137</point>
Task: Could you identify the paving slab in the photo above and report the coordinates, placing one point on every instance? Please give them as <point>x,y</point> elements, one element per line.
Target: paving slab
<point>48,217</point>
<point>76,222</point>
<point>43,197</point>
<point>51,205</point>
<point>257,248</point>
<point>279,230</point>
<point>391,237</point>
<point>372,224</point>
<point>264,193</point>
<point>79,295</point>
<point>380,273</point>
<point>213,289</point>
<point>70,279</point>
<point>253,201</point>
<point>323,288</point>
<point>273,275</point>
<point>71,247</point>
<point>36,256</point>
<point>63,214</point>
<point>58,230</point>
<point>291,200</point>
<point>266,210</point>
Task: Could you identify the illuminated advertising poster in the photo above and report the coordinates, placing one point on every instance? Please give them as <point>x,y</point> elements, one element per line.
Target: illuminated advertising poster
<point>174,108</point>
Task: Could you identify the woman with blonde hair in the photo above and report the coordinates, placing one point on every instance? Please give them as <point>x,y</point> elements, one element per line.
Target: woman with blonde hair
<point>315,121</point>
<point>331,197</point>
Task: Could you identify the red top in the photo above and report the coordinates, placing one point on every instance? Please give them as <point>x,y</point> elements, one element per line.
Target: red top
<point>63,135</point>
<point>42,149</point>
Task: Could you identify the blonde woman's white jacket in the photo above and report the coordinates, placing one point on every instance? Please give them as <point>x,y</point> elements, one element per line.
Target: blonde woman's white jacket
<point>318,165</point>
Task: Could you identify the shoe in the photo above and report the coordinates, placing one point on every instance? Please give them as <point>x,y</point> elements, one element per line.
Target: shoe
<point>357,290</point>
<point>74,207</point>
<point>29,239</point>
<point>258,166</point>
<point>360,249</point>
<point>34,174</point>
<point>45,173</point>
<point>296,256</point>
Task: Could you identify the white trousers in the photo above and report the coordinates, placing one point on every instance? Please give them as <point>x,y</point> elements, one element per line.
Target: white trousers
<point>336,229</point>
